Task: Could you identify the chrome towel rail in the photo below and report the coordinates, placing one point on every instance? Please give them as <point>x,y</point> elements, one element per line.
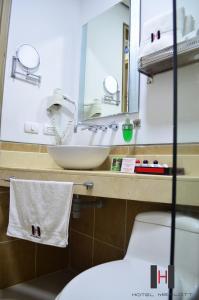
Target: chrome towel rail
<point>88,184</point>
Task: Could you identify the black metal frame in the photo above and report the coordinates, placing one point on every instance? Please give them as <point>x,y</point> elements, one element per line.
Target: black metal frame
<point>175,123</point>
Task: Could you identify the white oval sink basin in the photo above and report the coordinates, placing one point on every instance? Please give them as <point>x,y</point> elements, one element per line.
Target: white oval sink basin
<point>79,157</point>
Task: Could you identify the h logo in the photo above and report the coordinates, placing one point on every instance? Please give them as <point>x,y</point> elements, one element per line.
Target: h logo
<point>157,277</point>
<point>36,231</point>
<point>155,36</point>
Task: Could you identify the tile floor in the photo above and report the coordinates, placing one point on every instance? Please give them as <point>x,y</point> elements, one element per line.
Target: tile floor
<point>43,288</point>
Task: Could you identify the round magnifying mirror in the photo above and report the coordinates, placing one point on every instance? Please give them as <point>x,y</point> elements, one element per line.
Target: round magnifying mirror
<point>111,85</point>
<point>28,57</point>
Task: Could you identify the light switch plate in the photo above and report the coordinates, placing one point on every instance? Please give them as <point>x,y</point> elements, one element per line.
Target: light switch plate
<point>31,127</point>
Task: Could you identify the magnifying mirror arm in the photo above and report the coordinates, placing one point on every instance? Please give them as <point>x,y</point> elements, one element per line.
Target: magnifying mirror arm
<point>26,76</point>
<point>110,99</point>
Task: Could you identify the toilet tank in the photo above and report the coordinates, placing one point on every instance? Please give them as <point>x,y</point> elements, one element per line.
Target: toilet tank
<point>187,254</point>
<point>150,238</point>
<point>150,241</point>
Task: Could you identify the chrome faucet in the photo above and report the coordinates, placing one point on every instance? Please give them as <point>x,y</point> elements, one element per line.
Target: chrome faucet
<point>114,126</point>
<point>103,128</point>
<point>95,127</point>
<point>90,127</point>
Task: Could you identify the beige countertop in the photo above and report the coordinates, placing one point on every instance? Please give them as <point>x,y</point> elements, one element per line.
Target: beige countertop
<point>149,188</point>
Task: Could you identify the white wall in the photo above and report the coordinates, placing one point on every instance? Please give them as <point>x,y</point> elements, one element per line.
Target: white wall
<point>54,31</point>
<point>53,28</point>
<point>156,100</point>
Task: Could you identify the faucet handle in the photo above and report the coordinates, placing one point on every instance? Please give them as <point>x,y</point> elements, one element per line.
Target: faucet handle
<point>114,126</point>
<point>93,128</point>
<point>103,128</point>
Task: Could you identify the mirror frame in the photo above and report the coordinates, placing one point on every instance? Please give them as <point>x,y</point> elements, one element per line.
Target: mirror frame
<point>134,75</point>
<point>135,37</point>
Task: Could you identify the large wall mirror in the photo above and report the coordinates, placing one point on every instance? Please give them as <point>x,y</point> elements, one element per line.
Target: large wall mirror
<point>109,80</point>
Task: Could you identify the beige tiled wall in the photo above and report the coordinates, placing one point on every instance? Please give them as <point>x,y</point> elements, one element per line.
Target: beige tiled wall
<point>99,235</point>
<point>10,146</point>
<point>125,149</point>
<point>142,150</point>
<point>183,149</point>
<point>22,260</point>
<point>102,235</point>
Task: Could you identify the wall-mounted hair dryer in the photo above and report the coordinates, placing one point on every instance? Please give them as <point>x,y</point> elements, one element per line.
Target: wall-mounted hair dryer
<point>54,105</point>
<point>58,100</point>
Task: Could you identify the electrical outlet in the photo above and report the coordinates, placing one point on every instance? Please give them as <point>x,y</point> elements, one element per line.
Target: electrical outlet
<point>49,130</point>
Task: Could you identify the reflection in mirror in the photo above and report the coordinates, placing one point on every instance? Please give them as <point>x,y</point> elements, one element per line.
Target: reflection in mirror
<point>112,93</point>
<point>110,85</point>
<point>105,63</point>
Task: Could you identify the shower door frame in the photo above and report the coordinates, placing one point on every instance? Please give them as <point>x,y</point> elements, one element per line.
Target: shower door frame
<point>5,12</point>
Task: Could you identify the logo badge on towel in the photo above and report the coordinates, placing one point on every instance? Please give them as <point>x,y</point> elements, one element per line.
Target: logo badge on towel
<point>155,36</point>
<point>36,231</point>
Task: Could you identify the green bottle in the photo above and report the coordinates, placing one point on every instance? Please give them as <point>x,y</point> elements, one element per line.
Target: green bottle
<point>127,130</point>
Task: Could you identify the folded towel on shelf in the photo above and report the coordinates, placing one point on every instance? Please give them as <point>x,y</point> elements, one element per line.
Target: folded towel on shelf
<point>189,24</point>
<point>40,211</point>
<point>93,109</point>
<point>158,32</point>
<point>191,35</point>
<point>164,42</point>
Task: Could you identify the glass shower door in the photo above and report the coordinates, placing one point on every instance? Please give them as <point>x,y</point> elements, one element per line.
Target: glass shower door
<point>185,254</point>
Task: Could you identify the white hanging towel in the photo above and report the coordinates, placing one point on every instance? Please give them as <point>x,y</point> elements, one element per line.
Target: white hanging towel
<point>40,211</point>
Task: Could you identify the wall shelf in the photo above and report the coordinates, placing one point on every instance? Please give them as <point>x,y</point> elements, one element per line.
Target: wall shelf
<point>162,61</point>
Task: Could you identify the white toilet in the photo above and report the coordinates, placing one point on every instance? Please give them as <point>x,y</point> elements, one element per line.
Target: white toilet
<point>129,278</point>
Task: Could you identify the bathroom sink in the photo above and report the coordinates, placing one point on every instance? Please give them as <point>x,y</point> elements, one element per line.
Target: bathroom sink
<point>79,157</point>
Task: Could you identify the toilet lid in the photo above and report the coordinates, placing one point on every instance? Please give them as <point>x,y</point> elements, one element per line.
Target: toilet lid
<point>117,280</point>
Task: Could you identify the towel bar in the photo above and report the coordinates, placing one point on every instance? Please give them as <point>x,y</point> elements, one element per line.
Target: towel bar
<point>88,184</point>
